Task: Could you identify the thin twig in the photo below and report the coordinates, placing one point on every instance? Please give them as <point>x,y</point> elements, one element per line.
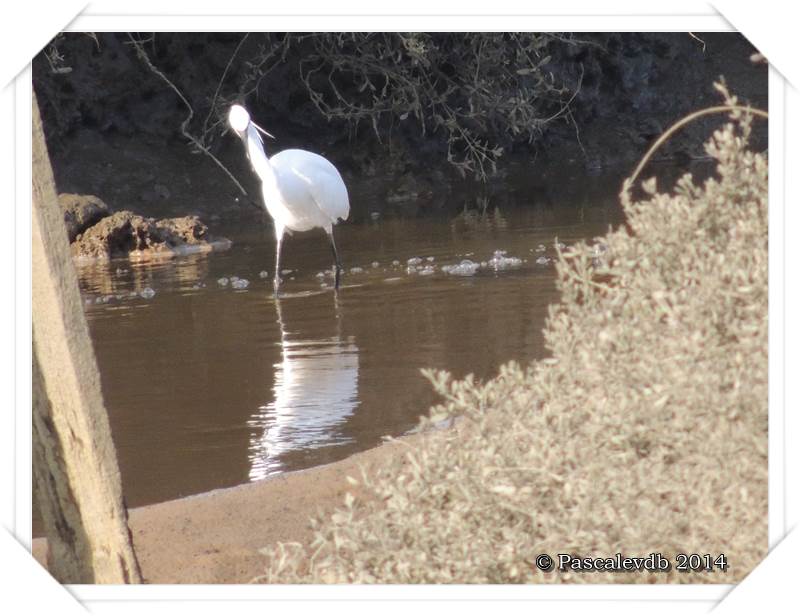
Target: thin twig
<point>697,38</point>
<point>146,59</point>
<point>219,85</point>
<point>680,124</point>
<point>566,105</point>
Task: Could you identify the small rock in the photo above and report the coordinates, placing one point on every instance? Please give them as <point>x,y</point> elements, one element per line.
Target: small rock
<point>81,212</point>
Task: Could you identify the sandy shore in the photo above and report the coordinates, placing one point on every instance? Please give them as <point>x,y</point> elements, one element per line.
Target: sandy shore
<point>214,538</point>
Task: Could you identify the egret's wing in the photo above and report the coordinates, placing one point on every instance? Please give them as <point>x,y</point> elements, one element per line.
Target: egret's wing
<point>310,173</point>
<point>330,193</point>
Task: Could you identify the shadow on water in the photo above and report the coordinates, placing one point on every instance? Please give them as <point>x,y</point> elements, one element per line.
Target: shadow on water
<point>209,382</point>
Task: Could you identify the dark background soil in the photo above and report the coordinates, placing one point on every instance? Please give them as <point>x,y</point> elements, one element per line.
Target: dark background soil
<point>113,127</point>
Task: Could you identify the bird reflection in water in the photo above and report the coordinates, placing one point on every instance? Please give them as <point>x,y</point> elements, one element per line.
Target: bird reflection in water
<point>315,391</point>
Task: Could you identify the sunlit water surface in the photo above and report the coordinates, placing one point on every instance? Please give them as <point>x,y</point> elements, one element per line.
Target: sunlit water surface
<point>208,385</point>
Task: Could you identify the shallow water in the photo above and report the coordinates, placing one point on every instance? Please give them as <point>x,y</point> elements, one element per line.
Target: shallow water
<point>209,386</point>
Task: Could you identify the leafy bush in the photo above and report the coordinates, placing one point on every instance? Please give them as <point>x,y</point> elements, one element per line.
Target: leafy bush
<point>396,102</point>
<point>474,91</point>
<point>469,95</point>
<point>646,431</point>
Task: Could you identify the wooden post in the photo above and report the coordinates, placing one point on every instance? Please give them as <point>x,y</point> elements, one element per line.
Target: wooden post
<point>74,460</point>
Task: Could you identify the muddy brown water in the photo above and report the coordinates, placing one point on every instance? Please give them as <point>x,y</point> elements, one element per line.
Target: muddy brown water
<point>209,386</point>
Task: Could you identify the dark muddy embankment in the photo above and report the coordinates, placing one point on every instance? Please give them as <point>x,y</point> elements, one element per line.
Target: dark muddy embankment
<point>114,127</point>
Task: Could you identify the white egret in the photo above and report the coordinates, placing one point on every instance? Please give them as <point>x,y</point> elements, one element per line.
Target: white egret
<point>301,190</point>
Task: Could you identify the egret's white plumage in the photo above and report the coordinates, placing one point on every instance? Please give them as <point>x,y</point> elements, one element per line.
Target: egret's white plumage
<point>301,190</point>
<point>307,191</point>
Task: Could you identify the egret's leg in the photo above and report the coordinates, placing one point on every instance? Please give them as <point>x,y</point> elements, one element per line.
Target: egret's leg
<point>337,265</point>
<point>276,281</point>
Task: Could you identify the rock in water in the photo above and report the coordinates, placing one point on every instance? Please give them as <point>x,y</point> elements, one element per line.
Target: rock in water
<point>127,234</point>
<point>81,212</point>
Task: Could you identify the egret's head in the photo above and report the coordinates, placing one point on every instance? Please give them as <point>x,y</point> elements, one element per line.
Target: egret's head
<point>239,119</point>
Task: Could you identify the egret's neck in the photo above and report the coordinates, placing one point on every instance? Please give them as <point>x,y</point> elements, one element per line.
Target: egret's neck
<point>258,158</point>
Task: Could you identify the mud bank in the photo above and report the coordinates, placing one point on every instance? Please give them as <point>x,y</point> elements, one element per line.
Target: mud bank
<point>215,538</point>
<point>114,128</point>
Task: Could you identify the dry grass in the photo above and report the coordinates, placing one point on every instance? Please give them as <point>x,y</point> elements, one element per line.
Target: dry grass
<point>646,431</point>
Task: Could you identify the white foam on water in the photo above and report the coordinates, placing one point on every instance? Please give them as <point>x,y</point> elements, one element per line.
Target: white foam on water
<point>501,262</point>
<point>465,268</point>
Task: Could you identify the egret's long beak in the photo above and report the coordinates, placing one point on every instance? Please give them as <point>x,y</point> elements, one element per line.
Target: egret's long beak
<point>271,136</point>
